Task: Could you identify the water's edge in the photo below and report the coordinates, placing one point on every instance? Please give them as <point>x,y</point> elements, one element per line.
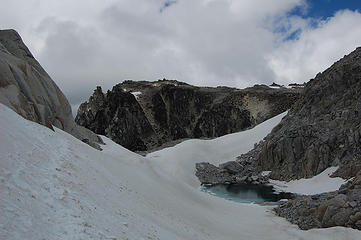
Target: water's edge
<point>246,193</point>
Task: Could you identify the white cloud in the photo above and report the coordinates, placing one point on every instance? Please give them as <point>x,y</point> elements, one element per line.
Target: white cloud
<point>205,42</point>
<point>316,48</point>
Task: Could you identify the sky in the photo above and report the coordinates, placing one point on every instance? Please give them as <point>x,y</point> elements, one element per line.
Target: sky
<point>236,43</point>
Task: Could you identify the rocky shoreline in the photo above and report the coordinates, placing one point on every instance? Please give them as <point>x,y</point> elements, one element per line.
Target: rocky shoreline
<point>339,208</point>
<point>322,129</point>
<point>243,170</point>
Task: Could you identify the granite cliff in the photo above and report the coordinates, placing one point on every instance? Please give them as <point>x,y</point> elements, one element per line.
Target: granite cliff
<point>143,115</point>
<point>28,89</point>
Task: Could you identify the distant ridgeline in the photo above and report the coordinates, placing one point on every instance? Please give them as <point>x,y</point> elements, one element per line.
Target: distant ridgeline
<point>143,115</point>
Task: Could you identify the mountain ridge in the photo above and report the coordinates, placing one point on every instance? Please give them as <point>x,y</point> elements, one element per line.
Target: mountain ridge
<point>322,128</point>
<point>144,115</point>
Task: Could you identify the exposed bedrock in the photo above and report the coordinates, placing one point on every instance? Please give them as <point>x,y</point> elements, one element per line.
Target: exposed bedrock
<point>243,170</point>
<point>28,89</point>
<point>340,208</point>
<point>144,115</point>
<point>322,129</point>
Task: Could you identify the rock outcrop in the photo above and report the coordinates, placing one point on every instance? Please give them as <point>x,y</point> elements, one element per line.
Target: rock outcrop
<point>340,208</point>
<point>143,115</point>
<point>322,129</point>
<point>243,170</point>
<point>28,89</point>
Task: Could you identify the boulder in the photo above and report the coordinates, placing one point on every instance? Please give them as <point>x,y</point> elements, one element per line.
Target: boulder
<point>243,170</point>
<point>209,174</point>
<point>323,210</point>
<point>232,167</point>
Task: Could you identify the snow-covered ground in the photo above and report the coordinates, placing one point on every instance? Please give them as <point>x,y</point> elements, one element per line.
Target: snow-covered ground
<point>317,184</point>
<point>53,186</point>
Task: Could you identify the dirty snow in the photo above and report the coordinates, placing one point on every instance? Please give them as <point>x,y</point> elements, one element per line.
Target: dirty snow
<point>53,186</point>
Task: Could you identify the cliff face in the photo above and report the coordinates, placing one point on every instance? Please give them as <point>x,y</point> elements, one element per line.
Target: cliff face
<point>144,115</point>
<point>322,128</point>
<point>28,89</point>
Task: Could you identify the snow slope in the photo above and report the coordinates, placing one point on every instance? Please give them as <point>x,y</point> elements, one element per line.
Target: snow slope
<point>315,185</point>
<point>53,186</point>
<point>214,151</point>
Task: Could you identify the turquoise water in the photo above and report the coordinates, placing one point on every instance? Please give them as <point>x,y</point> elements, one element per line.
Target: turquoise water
<point>246,193</point>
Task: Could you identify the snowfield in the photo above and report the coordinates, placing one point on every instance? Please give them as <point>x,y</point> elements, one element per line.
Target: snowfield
<point>318,184</point>
<point>53,186</point>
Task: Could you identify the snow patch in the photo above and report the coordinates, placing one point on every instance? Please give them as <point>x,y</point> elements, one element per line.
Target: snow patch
<point>136,94</point>
<point>318,184</point>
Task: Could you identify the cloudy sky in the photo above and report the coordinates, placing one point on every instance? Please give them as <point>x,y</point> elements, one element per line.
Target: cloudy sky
<point>235,43</point>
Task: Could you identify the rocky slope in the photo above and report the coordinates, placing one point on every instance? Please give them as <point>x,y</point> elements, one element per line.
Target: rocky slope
<point>28,89</point>
<point>340,208</point>
<point>143,115</point>
<point>322,129</point>
<point>243,170</point>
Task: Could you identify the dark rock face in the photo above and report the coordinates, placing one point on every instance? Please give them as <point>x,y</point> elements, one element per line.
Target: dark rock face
<point>118,114</point>
<point>26,88</point>
<point>243,170</point>
<point>322,128</point>
<point>340,208</point>
<point>144,115</point>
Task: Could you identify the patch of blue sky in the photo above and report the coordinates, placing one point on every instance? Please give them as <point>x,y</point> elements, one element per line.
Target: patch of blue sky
<point>315,12</point>
<point>167,4</point>
<point>323,9</point>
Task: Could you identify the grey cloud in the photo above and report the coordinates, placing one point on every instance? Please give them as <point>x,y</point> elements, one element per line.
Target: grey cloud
<point>205,42</point>
<point>167,4</point>
<point>72,57</point>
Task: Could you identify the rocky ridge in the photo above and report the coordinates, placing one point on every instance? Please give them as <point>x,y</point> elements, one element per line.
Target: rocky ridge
<point>143,115</point>
<point>322,128</point>
<point>26,88</point>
